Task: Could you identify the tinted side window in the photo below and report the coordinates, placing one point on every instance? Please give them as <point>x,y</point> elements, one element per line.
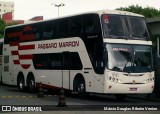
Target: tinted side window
<point>58,61</point>
<point>76,26</point>
<point>66,60</point>
<point>63,28</point>
<point>49,29</point>
<point>92,26</point>
<point>37,31</point>
<point>48,61</point>
<point>55,61</point>
<point>25,33</point>
<point>11,35</point>
<point>76,63</point>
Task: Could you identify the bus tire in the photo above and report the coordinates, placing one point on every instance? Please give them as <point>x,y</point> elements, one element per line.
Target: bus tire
<point>31,83</point>
<point>20,83</point>
<point>120,97</point>
<point>79,86</point>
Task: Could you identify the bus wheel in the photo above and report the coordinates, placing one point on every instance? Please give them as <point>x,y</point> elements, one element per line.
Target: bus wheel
<point>31,85</point>
<point>20,83</point>
<point>120,97</point>
<point>81,89</point>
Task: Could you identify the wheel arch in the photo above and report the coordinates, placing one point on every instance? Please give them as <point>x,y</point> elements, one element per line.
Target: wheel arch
<point>78,76</point>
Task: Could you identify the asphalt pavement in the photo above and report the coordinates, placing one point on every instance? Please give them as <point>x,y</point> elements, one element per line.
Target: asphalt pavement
<point>59,110</point>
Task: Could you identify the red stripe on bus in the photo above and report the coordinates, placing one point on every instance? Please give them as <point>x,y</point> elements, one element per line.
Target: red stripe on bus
<point>15,52</point>
<point>25,57</point>
<point>25,66</point>
<point>16,62</point>
<point>26,47</point>
<point>14,44</point>
<point>46,86</point>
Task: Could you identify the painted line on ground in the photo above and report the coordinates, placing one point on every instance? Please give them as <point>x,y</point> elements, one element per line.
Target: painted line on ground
<point>30,96</point>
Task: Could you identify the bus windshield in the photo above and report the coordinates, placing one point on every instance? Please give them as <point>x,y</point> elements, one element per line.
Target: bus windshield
<point>129,58</point>
<point>118,26</point>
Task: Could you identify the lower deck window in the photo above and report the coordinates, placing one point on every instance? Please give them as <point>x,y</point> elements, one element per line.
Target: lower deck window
<point>58,61</point>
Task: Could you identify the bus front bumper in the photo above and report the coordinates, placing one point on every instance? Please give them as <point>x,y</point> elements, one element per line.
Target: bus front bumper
<point>112,87</point>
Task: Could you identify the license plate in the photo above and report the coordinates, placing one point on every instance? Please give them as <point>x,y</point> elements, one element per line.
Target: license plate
<point>133,89</point>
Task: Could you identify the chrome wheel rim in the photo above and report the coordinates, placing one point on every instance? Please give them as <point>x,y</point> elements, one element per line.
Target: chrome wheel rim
<point>81,87</point>
<point>21,84</point>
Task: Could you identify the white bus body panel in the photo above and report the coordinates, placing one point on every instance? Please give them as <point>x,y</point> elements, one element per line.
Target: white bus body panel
<point>128,83</point>
<point>50,77</point>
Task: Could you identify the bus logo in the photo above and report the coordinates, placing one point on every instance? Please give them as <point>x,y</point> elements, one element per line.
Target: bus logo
<point>133,82</point>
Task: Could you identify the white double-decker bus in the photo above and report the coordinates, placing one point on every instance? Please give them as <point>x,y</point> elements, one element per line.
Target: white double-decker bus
<point>105,52</point>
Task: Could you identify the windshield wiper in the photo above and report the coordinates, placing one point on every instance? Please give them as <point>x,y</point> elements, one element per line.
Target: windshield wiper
<point>116,68</point>
<point>114,36</point>
<point>139,38</point>
<point>146,38</point>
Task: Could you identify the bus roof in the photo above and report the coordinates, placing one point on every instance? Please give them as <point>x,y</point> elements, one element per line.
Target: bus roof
<point>118,12</point>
